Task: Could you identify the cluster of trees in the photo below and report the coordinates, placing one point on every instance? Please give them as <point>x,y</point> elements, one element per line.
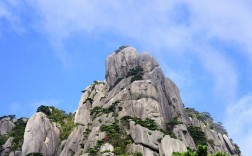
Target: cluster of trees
<point>8,116</point>
<point>207,119</point>
<point>200,151</point>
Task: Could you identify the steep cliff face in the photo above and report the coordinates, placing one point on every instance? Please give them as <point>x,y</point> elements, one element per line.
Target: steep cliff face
<point>134,106</point>
<point>135,111</point>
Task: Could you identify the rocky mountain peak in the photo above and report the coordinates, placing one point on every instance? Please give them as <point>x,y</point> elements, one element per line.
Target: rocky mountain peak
<point>136,111</point>
<point>125,59</point>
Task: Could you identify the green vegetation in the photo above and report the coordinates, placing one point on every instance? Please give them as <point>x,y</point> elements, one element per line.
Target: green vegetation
<point>173,123</point>
<point>218,127</point>
<point>219,154</point>
<point>137,154</point>
<point>61,117</point>
<point>111,109</point>
<point>3,139</point>
<point>45,109</point>
<point>8,116</point>
<point>67,126</point>
<point>96,110</point>
<point>200,151</point>
<point>150,124</point>
<point>211,142</point>
<point>136,73</point>
<point>237,149</point>
<point>147,123</point>
<point>207,119</point>
<point>85,134</point>
<point>93,151</point>
<point>97,82</point>
<point>116,136</point>
<point>120,48</point>
<point>198,136</point>
<point>18,134</point>
<point>34,154</point>
<point>170,126</point>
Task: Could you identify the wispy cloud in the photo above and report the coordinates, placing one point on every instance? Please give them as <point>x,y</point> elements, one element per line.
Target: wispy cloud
<point>222,70</point>
<point>175,27</point>
<point>239,123</point>
<point>9,17</point>
<point>170,27</point>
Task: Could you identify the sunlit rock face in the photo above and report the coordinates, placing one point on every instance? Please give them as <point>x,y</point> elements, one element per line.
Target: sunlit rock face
<point>136,83</point>
<point>136,110</point>
<point>40,136</point>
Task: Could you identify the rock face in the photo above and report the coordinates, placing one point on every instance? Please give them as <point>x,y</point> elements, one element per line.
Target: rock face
<point>40,136</point>
<point>136,89</point>
<point>136,110</point>
<point>6,125</point>
<point>169,145</point>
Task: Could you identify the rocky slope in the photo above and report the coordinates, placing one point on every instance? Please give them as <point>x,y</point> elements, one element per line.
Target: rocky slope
<point>135,111</point>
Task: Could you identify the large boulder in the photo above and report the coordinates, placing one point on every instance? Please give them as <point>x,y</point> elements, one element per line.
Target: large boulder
<point>40,136</point>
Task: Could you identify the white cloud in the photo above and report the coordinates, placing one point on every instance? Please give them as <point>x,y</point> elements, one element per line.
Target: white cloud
<point>239,124</point>
<point>177,27</point>
<point>222,70</point>
<point>8,16</point>
<point>172,27</point>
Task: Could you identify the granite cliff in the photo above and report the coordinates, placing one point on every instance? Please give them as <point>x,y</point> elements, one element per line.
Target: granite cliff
<point>135,111</point>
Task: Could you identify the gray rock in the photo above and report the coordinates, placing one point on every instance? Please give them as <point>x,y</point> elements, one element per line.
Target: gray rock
<point>8,143</point>
<point>133,148</point>
<point>40,136</point>
<point>107,147</point>
<point>230,146</point>
<point>183,135</point>
<point>144,136</point>
<point>154,97</point>
<point>117,65</point>
<point>6,125</point>
<point>93,137</point>
<point>16,153</point>
<point>169,145</point>
<point>72,144</point>
<point>95,93</point>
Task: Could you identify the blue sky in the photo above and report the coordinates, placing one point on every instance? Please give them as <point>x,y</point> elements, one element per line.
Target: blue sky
<point>52,49</point>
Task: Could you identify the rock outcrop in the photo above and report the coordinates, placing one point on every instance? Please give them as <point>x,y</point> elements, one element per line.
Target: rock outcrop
<point>40,136</point>
<point>6,125</point>
<point>136,110</point>
<point>136,89</point>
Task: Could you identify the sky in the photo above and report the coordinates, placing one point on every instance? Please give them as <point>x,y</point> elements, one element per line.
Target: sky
<point>50,50</point>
